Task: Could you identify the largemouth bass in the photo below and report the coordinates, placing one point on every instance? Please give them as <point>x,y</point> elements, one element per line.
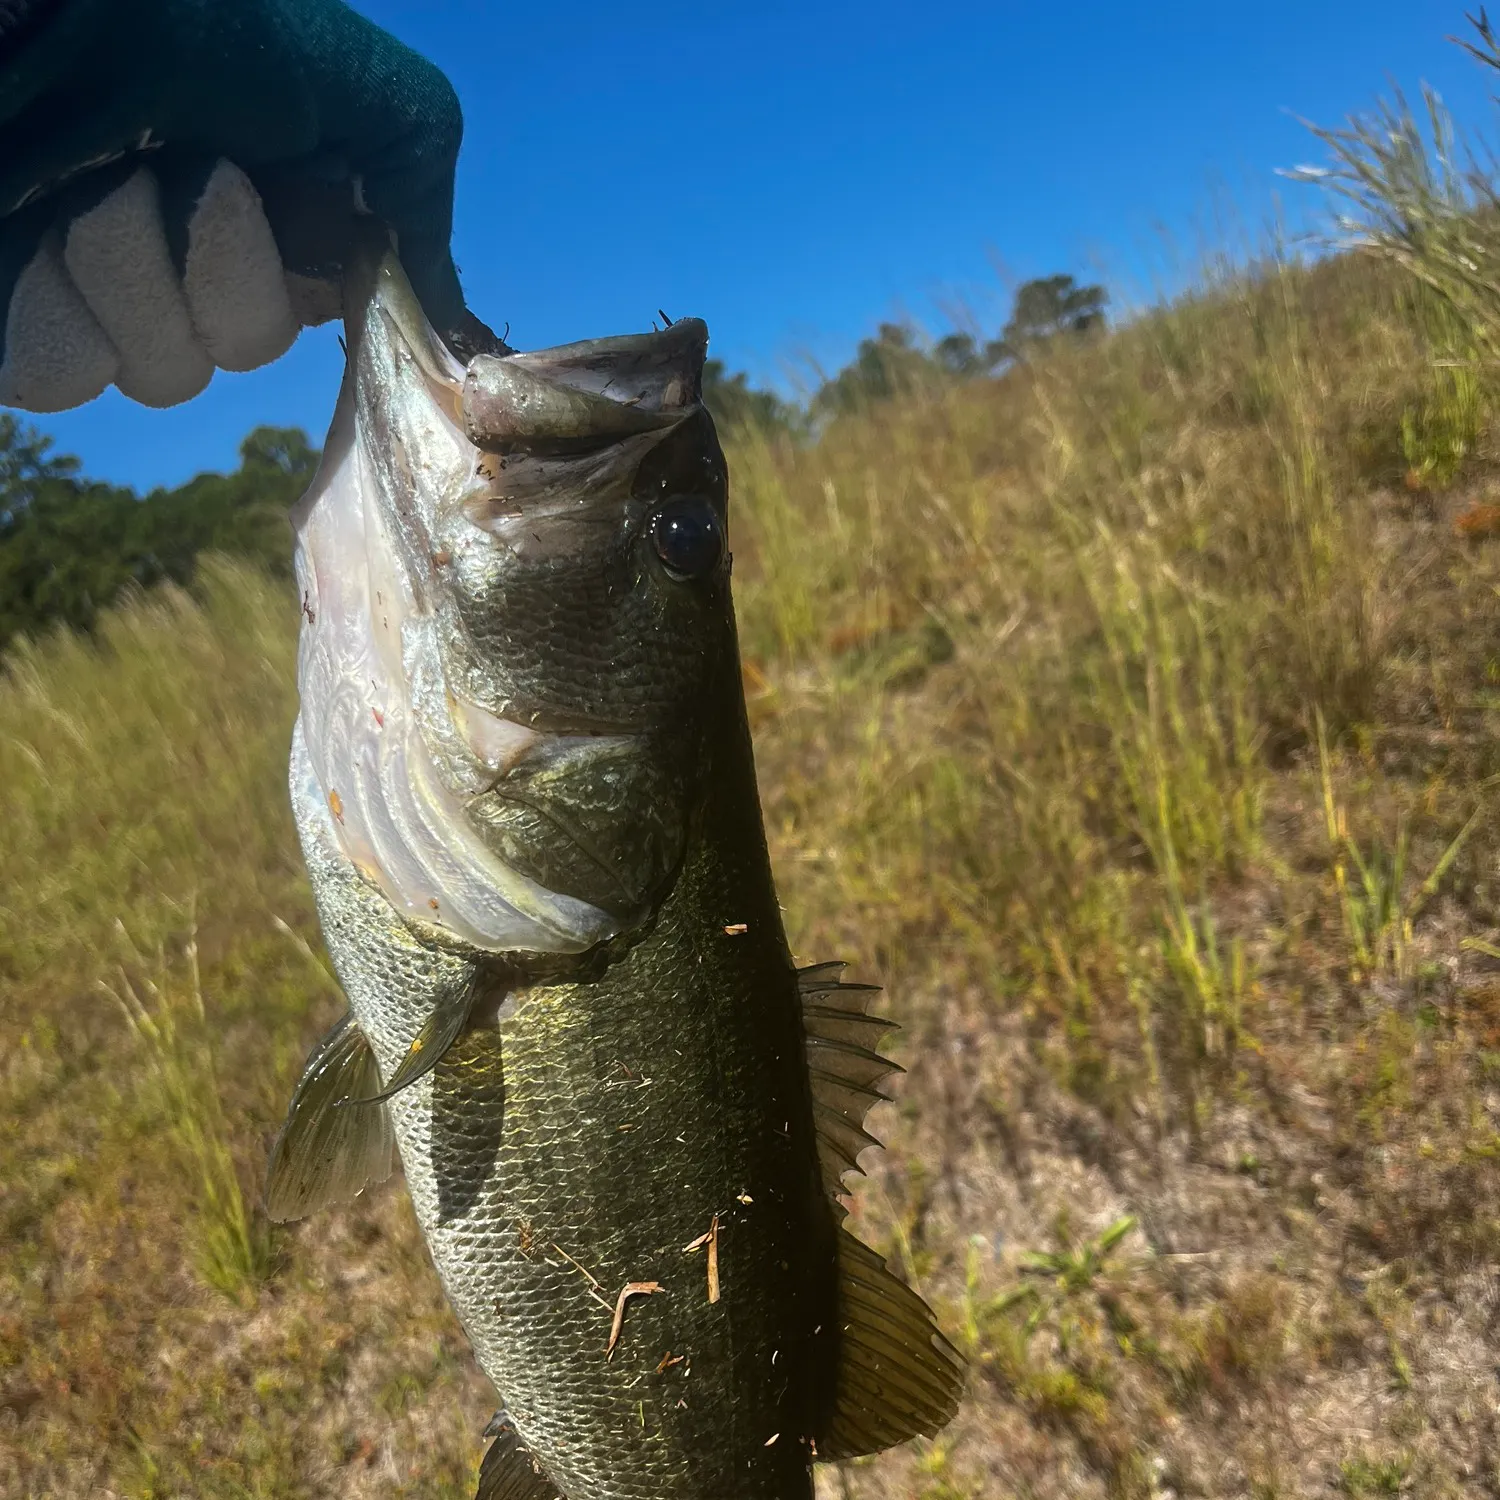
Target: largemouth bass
<point>524,786</point>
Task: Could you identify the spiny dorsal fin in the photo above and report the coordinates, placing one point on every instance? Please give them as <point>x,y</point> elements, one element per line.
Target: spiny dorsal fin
<point>509,1472</point>
<point>327,1153</point>
<point>843,1063</point>
<point>898,1377</point>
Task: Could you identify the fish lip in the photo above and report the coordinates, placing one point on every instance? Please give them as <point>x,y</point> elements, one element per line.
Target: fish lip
<point>585,397</point>
<point>630,359</point>
<point>662,347</point>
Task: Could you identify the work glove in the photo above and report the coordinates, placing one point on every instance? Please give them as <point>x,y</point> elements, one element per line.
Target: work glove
<point>181,180</point>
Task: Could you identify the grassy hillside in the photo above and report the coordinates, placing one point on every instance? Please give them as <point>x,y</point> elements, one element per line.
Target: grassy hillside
<point>1131,719</point>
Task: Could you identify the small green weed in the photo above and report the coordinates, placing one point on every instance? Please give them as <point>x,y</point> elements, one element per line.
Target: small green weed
<point>234,1249</point>
<point>1208,991</point>
<point>1375,906</point>
<point>938,1481</point>
<point>1075,1268</point>
<point>1444,429</point>
<point>1173,692</point>
<point>1370,1478</point>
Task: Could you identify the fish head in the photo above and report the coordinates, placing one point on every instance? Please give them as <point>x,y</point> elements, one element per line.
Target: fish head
<point>516,617</point>
<point>589,599</point>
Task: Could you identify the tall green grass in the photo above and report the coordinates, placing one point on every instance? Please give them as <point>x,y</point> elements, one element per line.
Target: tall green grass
<point>148,763</point>
<point>232,1248</point>
<point>1060,629</point>
<point>143,776</point>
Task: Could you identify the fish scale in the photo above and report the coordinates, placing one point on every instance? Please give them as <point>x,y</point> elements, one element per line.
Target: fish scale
<point>619,1155</point>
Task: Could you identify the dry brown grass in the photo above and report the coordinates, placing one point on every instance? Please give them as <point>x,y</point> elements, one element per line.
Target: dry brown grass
<point>1197,1150</point>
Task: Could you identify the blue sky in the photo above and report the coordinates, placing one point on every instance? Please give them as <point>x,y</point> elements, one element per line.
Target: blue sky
<point>795,171</point>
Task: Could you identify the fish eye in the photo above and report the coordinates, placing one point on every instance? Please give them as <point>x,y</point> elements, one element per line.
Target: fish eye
<point>688,538</point>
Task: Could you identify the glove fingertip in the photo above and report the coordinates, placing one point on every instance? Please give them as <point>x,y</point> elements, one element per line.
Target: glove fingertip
<point>232,275</point>
<point>56,356</point>
<point>117,255</point>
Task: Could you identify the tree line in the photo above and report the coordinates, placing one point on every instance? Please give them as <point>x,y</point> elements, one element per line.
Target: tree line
<point>899,362</point>
<point>69,544</point>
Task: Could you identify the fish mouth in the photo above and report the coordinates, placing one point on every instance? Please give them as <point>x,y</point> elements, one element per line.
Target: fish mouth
<point>579,398</point>
<point>512,792</point>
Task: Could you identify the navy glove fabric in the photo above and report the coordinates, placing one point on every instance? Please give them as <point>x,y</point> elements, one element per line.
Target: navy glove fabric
<point>179,181</point>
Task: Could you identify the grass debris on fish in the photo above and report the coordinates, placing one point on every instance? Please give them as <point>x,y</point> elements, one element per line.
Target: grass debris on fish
<point>524,787</point>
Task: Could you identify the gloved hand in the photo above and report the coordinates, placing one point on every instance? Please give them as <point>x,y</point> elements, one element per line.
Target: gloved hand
<point>180,179</point>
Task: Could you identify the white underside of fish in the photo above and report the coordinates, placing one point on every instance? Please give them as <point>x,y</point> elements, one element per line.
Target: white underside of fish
<point>373,700</point>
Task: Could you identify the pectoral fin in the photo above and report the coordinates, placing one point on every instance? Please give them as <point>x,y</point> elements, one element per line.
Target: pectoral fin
<point>898,1377</point>
<point>325,1153</point>
<point>509,1472</point>
<point>437,1035</point>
